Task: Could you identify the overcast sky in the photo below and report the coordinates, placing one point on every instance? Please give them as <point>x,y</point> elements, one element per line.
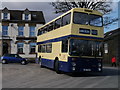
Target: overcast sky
<point>48,10</point>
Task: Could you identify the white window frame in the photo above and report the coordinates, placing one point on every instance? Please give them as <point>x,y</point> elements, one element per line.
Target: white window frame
<point>23,17</point>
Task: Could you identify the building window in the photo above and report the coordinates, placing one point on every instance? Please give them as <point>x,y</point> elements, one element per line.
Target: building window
<point>26,16</point>
<point>32,47</point>
<point>20,47</point>
<point>5,30</point>
<point>20,31</point>
<point>5,15</point>
<point>32,30</point>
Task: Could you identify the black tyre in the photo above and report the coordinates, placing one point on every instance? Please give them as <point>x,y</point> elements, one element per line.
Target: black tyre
<point>56,67</point>
<point>23,62</point>
<point>4,61</point>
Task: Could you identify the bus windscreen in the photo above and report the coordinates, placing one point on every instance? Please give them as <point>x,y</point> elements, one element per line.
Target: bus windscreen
<point>85,48</point>
<point>87,19</point>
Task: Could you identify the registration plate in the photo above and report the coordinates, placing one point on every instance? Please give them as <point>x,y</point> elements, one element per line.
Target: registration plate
<point>86,69</point>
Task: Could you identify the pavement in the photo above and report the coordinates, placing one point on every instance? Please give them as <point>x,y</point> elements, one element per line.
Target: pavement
<point>32,76</point>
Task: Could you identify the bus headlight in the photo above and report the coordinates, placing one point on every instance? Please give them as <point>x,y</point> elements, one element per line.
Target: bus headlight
<point>73,64</point>
<point>99,69</point>
<point>73,68</point>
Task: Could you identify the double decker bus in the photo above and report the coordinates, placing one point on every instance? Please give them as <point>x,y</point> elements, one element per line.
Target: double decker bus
<point>72,42</point>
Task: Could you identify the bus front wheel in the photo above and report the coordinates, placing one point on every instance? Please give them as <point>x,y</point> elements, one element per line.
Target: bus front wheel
<point>56,67</point>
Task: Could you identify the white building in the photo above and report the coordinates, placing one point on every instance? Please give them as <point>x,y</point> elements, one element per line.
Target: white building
<point>18,31</point>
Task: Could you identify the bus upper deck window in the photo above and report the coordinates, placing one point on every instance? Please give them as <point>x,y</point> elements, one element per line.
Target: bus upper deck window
<point>38,32</point>
<point>66,19</point>
<point>57,23</point>
<point>80,18</point>
<point>96,20</point>
<point>87,19</point>
<point>50,27</point>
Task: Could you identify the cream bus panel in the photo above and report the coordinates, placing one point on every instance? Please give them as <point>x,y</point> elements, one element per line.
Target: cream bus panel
<point>56,52</point>
<point>76,28</point>
<point>85,10</point>
<point>63,31</point>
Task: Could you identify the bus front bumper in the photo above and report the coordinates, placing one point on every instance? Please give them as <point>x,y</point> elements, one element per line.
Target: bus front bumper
<point>78,64</point>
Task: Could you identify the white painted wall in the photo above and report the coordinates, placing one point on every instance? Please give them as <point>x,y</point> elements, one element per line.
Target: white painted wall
<point>0,30</point>
<point>1,15</point>
<point>8,16</point>
<point>29,17</point>
<point>26,30</point>
<point>23,15</point>
<point>13,32</point>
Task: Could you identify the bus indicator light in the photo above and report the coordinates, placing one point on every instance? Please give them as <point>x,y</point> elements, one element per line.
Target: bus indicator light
<point>73,68</point>
<point>73,64</point>
<point>99,69</point>
<point>99,64</point>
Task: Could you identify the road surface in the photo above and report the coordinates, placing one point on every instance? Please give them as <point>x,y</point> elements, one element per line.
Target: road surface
<point>32,76</point>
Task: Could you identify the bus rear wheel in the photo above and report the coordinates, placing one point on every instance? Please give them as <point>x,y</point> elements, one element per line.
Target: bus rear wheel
<point>56,67</point>
<point>41,66</point>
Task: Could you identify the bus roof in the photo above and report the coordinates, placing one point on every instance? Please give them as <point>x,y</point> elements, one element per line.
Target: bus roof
<point>85,10</point>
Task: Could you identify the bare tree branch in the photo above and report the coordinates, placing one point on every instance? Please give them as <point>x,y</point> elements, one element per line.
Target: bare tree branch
<point>103,7</point>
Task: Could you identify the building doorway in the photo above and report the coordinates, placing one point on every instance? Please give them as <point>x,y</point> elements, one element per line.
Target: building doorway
<point>5,48</point>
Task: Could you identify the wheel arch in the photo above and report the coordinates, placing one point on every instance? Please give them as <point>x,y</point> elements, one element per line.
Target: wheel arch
<point>56,59</point>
